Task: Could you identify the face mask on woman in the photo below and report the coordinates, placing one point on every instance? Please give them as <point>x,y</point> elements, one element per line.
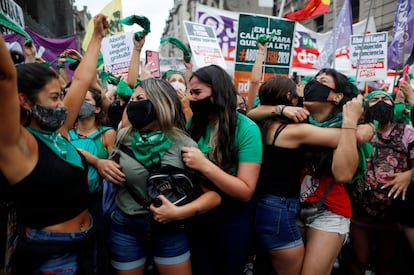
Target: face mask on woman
<point>201,107</point>
<point>381,112</point>
<point>87,109</point>
<point>141,113</point>
<point>316,91</point>
<point>178,85</point>
<point>49,119</point>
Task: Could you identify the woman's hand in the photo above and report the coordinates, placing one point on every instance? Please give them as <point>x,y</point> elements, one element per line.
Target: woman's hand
<point>111,171</point>
<point>166,212</point>
<point>101,25</point>
<point>193,158</point>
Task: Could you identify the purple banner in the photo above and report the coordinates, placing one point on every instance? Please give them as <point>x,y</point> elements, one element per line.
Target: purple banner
<point>402,44</point>
<point>225,28</point>
<point>47,48</point>
<point>340,37</point>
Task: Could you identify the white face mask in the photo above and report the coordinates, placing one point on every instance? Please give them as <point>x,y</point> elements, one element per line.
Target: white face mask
<point>178,85</point>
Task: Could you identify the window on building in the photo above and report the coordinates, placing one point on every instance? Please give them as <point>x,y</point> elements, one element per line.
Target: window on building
<point>355,11</point>
<point>319,23</point>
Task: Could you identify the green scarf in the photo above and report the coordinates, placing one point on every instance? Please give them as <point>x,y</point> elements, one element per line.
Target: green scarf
<point>142,21</point>
<point>149,148</point>
<point>59,145</point>
<point>9,24</point>
<point>334,122</point>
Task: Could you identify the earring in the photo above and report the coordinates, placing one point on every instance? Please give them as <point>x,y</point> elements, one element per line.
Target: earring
<point>336,102</point>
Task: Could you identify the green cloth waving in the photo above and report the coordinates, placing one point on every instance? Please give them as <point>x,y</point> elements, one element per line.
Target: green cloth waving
<point>142,21</point>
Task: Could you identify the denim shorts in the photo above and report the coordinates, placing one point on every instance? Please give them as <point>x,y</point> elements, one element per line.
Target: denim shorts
<point>324,220</point>
<point>133,238</point>
<point>59,264</point>
<point>275,223</point>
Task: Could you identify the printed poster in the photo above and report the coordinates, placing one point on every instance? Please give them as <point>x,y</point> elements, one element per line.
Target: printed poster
<point>279,48</point>
<point>204,46</point>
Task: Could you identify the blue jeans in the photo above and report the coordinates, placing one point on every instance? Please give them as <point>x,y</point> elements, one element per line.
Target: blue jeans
<point>59,264</point>
<point>276,222</point>
<point>132,238</point>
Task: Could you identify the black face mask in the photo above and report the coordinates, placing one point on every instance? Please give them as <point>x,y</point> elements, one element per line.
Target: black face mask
<point>49,119</point>
<point>141,113</point>
<point>381,112</point>
<point>316,91</point>
<point>202,107</point>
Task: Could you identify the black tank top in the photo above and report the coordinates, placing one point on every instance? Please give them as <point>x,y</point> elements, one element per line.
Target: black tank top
<point>281,169</point>
<point>52,193</point>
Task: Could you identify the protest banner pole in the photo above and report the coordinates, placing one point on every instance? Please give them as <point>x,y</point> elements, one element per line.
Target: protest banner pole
<point>334,36</point>
<point>363,40</point>
<point>282,7</point>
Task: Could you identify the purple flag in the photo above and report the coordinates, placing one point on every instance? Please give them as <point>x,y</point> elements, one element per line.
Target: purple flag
<point>47,48</point>
<point>399,50</point>
<point>340,35</point>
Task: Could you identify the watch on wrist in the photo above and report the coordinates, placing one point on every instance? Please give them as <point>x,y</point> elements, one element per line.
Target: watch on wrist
<point>279,109</point>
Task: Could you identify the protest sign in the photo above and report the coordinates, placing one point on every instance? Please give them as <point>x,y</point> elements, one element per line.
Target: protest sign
<point>279,48</point>
<point>116,52</point>
<point>204,46</point>
<point>369,56</point>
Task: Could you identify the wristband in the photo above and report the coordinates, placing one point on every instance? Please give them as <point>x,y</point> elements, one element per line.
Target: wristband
<point>60,65</point>
<point>412,176</point>
<point>279,110</point>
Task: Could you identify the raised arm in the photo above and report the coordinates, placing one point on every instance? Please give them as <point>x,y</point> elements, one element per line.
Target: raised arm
<point>9,101</point>
<point>84,74</point>
<point>256,75</point>
<point>345,158</point>
<point>133,69</point>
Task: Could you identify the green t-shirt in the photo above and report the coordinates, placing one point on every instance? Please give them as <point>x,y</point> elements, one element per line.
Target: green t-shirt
<point>248,141</point>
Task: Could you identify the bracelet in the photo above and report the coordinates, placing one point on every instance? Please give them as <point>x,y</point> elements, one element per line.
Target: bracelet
<point>279,110</point>
<point>138,49</point>
<point>261,53</point>
<point>349,128</point>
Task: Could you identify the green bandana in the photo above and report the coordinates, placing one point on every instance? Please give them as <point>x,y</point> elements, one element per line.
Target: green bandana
<point>105,76</point>
<point>149,148</point>
<point>334,122</point>
<point>9,24</point>
<point>142,21</point>
<point>171,72</point>
<point>59,145</point>
<point>263,38</point>
<point>179,44</point>
<point>123,90</point>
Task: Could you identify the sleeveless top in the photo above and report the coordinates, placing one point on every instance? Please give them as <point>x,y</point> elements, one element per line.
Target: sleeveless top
<point>52,193</point>
<point>280,171</point>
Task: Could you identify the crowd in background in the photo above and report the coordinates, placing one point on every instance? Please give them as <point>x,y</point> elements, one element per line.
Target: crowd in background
<point>296,180</point>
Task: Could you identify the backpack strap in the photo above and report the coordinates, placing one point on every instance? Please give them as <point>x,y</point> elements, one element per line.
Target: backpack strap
<point>100,131</point>
<point>73,134</point>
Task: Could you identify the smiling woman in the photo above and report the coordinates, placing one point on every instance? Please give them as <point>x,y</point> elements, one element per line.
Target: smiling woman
<point>157,11</point>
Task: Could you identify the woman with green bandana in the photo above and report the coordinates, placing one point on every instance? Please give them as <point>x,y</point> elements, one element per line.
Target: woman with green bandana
<point>230,156</point>
<point>384,203</point>
<point>46,174</point>
<point>278,187</point>
<point>139,232</point>
<point>326,170</point>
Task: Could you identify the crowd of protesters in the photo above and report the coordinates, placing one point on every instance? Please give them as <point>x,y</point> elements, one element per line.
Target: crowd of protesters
<point>295,180</point>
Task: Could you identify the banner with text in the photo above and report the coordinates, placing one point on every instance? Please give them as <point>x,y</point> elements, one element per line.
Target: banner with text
<point>225,24</point>
<point>371,56</point>
<point>116,52</point>
<point>279,48</point>
<point>204,45</point>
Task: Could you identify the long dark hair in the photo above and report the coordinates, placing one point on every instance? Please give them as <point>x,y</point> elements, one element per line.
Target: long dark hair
<point>225,102</point>
<point>274,91</point>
